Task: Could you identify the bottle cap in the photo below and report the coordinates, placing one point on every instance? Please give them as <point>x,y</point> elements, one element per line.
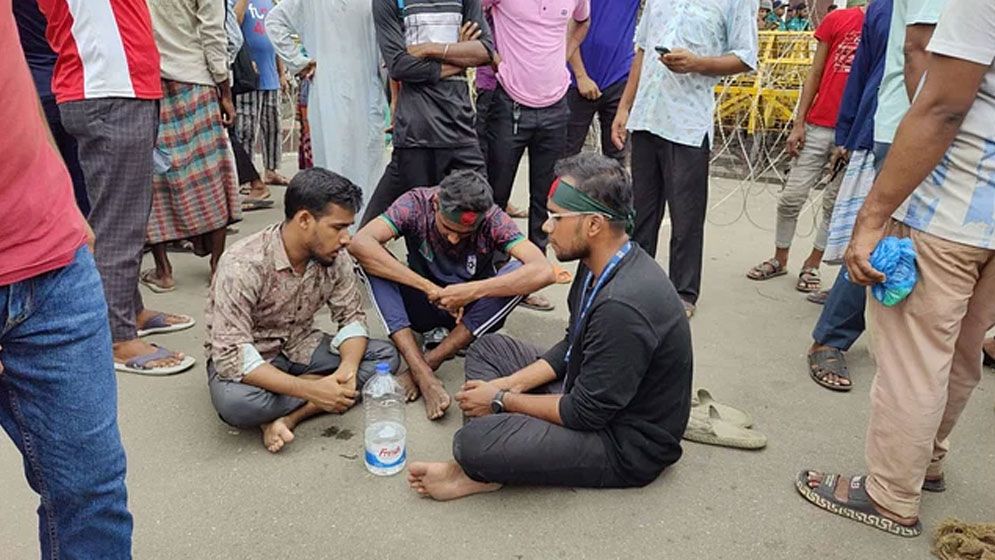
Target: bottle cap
<point>383,368</point>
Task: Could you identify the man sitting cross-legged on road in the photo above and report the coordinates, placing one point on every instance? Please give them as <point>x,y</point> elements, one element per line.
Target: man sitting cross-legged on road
<point>268,366</point>
<point>455,238</point>
<point>624,366</point>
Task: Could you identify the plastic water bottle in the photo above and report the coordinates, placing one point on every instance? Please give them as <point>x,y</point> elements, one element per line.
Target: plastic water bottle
<point>383,402</point>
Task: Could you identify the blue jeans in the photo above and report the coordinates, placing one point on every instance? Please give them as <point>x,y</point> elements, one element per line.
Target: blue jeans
<point>58,403</point>
<point>842,319</point>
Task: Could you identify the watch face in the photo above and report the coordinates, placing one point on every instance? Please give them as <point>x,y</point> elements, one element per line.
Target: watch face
<point>496,407</point>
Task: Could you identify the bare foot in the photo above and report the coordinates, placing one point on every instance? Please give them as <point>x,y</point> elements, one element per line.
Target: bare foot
<point>153,281</point>
<point>258,190</point>
<point>276,434</point>
<point>408,384</point>
<point>437,400</point>
<point>445,481</point>
<point>130,349</point>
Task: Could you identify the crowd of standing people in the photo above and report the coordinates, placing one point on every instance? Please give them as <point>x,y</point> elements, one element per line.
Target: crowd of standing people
<point>131,127</point>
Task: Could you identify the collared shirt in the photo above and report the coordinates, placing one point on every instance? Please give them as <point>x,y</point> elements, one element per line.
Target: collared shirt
<point>957,201</point>
<point>893,100</point>
<point>680,107</point>
<point>607,49</point>
<point>192,41</point>
<point>533,39</point>
<point>257,299</point>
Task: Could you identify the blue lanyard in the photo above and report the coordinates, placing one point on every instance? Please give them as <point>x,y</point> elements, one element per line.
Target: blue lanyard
<point>586,300</point>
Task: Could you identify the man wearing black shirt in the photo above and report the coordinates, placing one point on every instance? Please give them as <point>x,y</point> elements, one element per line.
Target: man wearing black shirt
<point>427,46</point>
<point>607,405</point>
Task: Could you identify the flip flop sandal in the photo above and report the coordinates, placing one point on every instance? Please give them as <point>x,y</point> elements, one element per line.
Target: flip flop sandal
<point>147,278</point>
<point>702,399</point>
<point>159,325</point>
<point>140,366</point>
<point>935,485</point>
<point>433,338</point>
<point>858,506</point>
<point>530,303</point>
<point>713,430</point>
<point>770,268</point>
<point>825,362</point>
<point>818,298</point>
<point>809,280</point>
<point>252,204</point>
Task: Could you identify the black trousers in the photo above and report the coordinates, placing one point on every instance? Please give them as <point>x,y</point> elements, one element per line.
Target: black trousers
<point>68,150</point>
<point>420,167</point>
<point>484,99</point>
<point>582,113</point>
<point>243,162</point>
<point>670,175</point>
<point>521,450</point>
<point>513,127</point>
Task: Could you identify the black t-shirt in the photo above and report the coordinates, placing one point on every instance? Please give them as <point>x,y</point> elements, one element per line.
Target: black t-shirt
<point>431,112</point>
<point>629,374</point>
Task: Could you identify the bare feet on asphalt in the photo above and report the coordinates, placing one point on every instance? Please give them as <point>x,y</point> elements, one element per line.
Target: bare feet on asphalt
<point>437,400</point>
<point>407,383</point>
<point>445,481</point>
<point>276,434</point>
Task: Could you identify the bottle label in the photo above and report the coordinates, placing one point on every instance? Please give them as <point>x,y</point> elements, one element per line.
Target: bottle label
<point>385,456</point>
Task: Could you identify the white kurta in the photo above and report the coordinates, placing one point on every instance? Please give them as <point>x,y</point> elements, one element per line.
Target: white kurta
<point>347,107</point>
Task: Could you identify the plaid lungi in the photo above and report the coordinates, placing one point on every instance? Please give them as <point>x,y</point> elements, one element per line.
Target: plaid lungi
<point>199,192</point>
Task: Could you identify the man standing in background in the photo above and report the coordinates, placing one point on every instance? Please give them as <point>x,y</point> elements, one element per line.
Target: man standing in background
<point>600,68</point>
<point>691,44</point>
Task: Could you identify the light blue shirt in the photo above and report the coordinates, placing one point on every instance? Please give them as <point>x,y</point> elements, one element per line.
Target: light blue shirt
<point>893,99</point>
<point>957,201</point>
<point>681,107</point>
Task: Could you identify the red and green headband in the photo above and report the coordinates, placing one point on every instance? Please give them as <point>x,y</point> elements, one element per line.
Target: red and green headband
<point>565,195</point>
<point>466,218</point>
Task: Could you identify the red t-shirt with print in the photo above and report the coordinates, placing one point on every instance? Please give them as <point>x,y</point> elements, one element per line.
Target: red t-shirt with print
<point>840,30</point>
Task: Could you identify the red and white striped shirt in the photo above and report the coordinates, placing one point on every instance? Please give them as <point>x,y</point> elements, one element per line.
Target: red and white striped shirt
<point>105,49</point>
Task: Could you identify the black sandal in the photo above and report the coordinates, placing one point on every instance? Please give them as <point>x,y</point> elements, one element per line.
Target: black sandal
<point>857,507</point>
<point>935,485</point>
<point>823,363</point>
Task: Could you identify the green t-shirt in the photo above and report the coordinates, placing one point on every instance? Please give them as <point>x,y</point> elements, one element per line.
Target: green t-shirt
<point>893,100</point>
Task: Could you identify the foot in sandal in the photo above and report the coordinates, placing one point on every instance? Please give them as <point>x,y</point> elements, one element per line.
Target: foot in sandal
<point>827,367</point>
<point>848,498</point>
<point>809,280</point>
<point>138,356</point>
<point>770,268</point>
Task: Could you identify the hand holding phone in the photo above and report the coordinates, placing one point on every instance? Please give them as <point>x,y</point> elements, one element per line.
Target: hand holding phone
<point>662,50</point>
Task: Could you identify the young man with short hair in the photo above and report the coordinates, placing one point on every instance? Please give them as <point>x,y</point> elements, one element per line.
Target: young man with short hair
<point>607,405</point>
<point>268,366</point>
<point>456,237</point>
<point>812,143</point>
<point>682,48</point>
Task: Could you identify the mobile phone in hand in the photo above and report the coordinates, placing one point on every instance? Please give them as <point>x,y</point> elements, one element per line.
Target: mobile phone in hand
<point>662,50</point>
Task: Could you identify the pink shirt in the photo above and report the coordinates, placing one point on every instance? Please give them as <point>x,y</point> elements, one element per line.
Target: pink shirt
<point>40,226</point>
<point>532,35</point>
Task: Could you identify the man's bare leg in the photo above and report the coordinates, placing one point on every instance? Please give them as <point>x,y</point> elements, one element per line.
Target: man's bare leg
<point>437,400</point>
<point>458,339</point>
<point>445,481</point>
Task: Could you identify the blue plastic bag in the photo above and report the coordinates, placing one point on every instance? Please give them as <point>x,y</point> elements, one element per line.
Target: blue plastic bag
<point>896,259</point>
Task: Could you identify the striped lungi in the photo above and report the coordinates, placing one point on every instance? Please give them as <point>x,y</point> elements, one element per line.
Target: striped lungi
<point>198,193</point>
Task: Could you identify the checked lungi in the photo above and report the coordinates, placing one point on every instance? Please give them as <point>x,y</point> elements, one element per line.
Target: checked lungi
<point>199,192</point>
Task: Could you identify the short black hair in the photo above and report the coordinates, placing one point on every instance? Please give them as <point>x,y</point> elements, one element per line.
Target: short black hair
<point>465,191</point>
<point>315,188</point>
<point>600,177</point>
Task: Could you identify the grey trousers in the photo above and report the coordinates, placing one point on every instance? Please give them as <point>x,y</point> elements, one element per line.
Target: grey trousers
<point>246,406</point>
<point>804,175</point>
<point>521,450</point>
<point>259,112</point>
<point>115,138</point>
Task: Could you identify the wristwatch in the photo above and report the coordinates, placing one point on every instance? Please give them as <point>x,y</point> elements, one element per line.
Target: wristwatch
<point>497,405</point>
